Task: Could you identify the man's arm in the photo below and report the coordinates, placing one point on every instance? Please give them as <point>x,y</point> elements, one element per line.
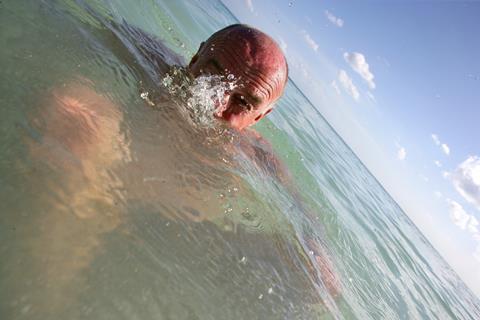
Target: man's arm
<point>135,46</point>
<point>266,158</point>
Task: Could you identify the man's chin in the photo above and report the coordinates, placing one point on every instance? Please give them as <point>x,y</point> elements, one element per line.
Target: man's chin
<point>236,126</point>
<point>231,123</point>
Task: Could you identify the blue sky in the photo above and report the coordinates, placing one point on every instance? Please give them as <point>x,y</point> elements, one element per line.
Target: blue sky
<point>400,82</point>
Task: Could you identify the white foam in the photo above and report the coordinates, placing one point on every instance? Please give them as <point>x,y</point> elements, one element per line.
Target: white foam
<point>200,96</point>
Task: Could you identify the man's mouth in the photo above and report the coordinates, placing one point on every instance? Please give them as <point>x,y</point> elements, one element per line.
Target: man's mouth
<point>229,110</point>
<point>219,110</point>
<point>225,113</point>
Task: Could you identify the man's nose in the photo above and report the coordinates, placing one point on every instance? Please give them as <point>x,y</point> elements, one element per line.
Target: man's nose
<point>221,105</point>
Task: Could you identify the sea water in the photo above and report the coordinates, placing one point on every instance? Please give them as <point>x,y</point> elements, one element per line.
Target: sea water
<point>161,216</point>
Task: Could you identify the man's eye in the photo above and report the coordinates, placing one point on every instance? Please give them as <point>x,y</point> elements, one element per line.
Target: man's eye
<point>216,65</point>
<point>241,101</point>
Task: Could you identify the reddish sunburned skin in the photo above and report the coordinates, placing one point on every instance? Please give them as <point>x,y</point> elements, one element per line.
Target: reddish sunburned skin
<point>257,64</point>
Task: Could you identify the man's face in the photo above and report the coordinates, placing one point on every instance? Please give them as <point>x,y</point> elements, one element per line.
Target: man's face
<point>254,94</point>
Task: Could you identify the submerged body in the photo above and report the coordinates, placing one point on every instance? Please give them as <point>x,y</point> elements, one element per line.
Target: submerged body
<point>88,126</point>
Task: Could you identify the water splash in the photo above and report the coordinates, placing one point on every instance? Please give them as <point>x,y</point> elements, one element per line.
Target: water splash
<point>200,96</point>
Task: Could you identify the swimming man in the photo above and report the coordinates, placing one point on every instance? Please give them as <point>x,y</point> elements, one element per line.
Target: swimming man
<point>87,123</point>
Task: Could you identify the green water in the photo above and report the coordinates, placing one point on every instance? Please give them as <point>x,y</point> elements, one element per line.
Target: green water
<point>151,217</point>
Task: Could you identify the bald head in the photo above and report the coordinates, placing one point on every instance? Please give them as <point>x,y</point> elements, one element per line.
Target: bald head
<point>258,65</point>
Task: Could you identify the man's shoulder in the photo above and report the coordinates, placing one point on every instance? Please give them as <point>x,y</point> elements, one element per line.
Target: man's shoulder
<point>257,144</point>
<point>256,139</point>
<point>153,48</point>
<point>262,152</point>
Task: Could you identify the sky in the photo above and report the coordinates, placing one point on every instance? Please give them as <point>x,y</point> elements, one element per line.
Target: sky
<point>400,83</point>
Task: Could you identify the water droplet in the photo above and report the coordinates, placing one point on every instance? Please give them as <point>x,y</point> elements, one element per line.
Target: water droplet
<point>26,309</point>
<point>247,215</point>
<point>167,80</point>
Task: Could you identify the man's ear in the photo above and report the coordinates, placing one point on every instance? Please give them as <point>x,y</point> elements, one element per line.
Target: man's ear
<point>268,111</point>
<point>195,57</point>
<point>260,116</point>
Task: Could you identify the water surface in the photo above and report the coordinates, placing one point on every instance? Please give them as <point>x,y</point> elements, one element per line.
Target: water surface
<point>153,213</point>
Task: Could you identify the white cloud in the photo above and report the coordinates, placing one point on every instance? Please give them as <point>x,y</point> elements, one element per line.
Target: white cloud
<point>476,236</point>
<point>466,180</point>
<point>423,177</point>
<point>298,65</point>
<point>445,149</point>
<point>457,214</point>
<point>473,225</point>
<point>304,70</point>
<point>435,139</point>
<point>249,5</point>
<point>438,163</point>
<point>462,219</point>
<point>283,44</point>
<point>371,96</point>
<point>311,43</point>
<point>336,21</point>
<point>358,63</point>
<point>402,153</point>
<point>335,86</point>
<point>348,85</point>
<point>476,254</point>
<point>445,174</point>
<point>465,222</point>
<point>438,194</point>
